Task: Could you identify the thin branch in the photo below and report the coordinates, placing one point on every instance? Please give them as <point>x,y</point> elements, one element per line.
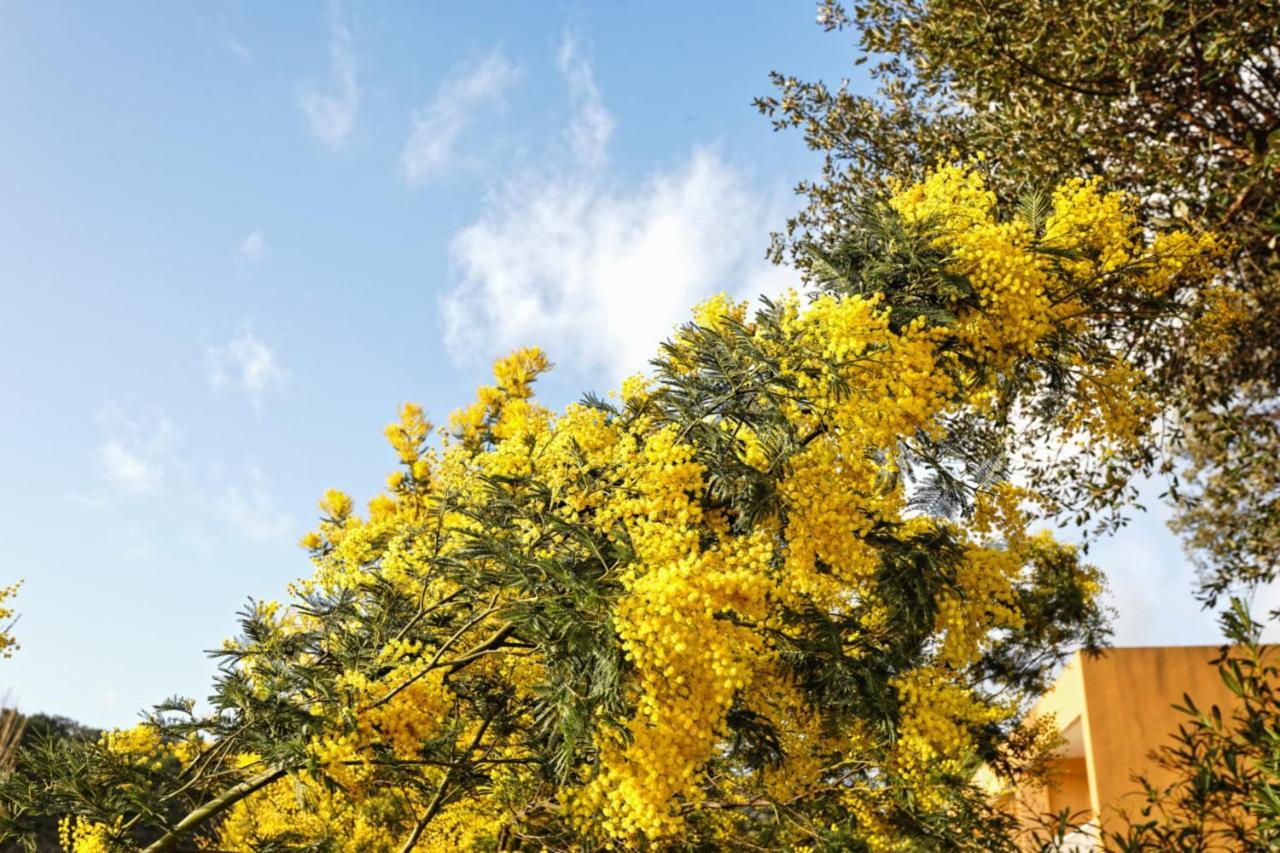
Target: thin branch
<point>437,801</point>
<point>169,841</point>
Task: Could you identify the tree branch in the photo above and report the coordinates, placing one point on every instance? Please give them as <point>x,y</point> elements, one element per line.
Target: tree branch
<point>437,801</point>
<point>169,841</point>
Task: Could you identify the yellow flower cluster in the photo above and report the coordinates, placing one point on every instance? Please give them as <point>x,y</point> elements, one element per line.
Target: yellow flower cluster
<point>142,740</point>
<point>1224,311</point>
<point>468,824</point>
<point>1011,282</point>
<point>301,812</point>
<point>981,600</point>
<point>1029,283</point>
<point>1101,226</point>
<point>866,387</point>
<point>7,644</point>
<point>396,712</point>
<point>938,714</point>
<point>411,716</point>
<point>1115,403</point>
<point>867,808</point>
<point>143,746</point>
<point>718,311</point>
<point>79,835</point>
<point>805,741</point>
<point>690,661</point>
<point>499,408</point>
<point>830,507</point>
<point>659,504</point>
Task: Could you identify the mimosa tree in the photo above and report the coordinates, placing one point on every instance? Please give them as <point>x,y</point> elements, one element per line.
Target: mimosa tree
<point>784,591</point>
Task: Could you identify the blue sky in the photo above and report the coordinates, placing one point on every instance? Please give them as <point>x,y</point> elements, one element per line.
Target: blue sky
<point>234,237</point>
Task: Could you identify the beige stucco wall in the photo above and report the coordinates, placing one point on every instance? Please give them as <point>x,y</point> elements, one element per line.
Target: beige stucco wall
<point>1065,702</point>
<point>1129,694</point>
<point>1117,709</point>
<point>1070,788</point>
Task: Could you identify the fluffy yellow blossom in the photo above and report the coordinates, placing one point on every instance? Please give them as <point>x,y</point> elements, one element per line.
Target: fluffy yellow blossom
<point>690,663</point>
<point>78,835</point>
<point>294,809</point>
<point>7,644</point>
<point>714,312</point>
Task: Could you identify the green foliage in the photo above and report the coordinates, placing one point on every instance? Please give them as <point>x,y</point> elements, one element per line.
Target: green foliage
<point>40,734</point>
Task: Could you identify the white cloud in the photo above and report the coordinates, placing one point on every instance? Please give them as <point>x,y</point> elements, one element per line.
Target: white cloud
<point>253,249</point>
<point>331,113</point>
<point>599,273</point>
<point>245,364</point>
<point>126,469</point>
<point>431,148</point>
<point>592,125</point>
<point>253,512</point>
<point>132,459</point>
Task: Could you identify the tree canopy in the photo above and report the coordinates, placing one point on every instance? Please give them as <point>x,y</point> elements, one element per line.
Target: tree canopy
<point>787,589</point>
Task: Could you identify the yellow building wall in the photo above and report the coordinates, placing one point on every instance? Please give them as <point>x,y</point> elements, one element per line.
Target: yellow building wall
<point>1129,694</point>
<point>1116,710</point>
<point>1070,788</point>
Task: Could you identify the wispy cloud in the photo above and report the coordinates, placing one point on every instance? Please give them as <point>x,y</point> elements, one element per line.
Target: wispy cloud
<point>592,125</point>
<point>247,365</point>
<point>331,112</point>
<point>431,148</point>
<point>253,249</point>
<point>126,469</point>
<point>239,48</point>
<point>252,512</point>
<point>132,458</point>
<point>596,271</point>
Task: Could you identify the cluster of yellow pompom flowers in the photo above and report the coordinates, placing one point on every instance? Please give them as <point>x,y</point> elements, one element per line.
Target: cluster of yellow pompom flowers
<point>7,643</point>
